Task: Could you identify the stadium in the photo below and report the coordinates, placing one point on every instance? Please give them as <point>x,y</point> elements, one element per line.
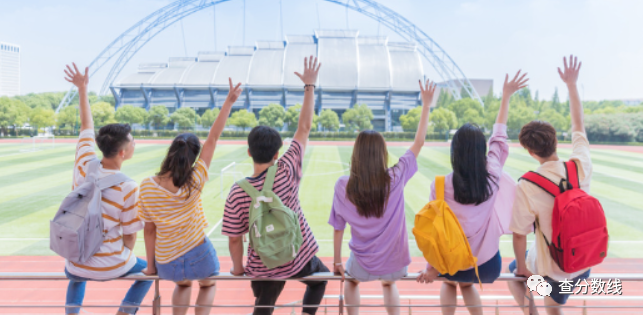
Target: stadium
<point>357,70</point>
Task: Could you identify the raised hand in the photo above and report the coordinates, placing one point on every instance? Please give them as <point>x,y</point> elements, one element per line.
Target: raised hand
<point>234,93</point>
<point>427,91</point>
<point>311,69</point>
<point>76,77</point>
<point>510,87</point>
<point>569,75</point>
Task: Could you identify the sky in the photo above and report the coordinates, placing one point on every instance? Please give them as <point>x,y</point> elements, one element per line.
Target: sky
<point>485,38</point>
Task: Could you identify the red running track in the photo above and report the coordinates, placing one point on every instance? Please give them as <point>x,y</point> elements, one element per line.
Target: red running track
<point>238,292</point>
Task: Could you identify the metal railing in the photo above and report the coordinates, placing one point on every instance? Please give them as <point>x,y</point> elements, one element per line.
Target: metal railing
<point>328,276</point>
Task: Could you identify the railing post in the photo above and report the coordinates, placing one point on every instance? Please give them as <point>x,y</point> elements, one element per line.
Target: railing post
<point>497,308</point>
<point>410,312</point>
<point>156,304</point>
<point>325,307</point>
<point>584,307</point>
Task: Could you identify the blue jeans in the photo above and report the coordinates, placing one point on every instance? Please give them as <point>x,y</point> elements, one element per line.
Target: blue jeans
<point>199,263</point>
<point>133,298</point>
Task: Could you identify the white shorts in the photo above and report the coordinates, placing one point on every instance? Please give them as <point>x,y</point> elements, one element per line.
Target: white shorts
<point>356,271</point>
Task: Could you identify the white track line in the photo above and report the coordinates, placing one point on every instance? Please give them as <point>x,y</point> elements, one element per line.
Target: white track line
<point>214,227</point>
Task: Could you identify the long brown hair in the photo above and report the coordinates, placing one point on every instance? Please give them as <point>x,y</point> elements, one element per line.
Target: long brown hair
<point>179,161</point>
<point>369,184</point>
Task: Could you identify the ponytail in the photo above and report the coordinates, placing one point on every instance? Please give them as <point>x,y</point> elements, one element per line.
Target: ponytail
<point>179,161</point>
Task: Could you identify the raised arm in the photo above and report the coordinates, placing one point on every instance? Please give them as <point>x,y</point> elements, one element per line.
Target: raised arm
<point>570,76</point>
<point>508,89</point>
<point>311,68</point>
<point>215,131</point>
<point>81,81</point>
<point>427,91</point>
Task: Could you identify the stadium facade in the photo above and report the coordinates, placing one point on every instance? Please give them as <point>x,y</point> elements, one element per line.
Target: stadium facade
<point>9,69</point>
<point>356,70</point>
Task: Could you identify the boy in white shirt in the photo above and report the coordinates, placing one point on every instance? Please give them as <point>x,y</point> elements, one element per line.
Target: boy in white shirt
<point>119,207</point>
<point>534,204</point>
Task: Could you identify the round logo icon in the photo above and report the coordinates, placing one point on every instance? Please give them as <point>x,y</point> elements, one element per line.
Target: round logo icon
<point>544,289</point>
<point>533,281</point>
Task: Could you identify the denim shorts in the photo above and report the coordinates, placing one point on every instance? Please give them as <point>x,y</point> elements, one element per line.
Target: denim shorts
<point>199,263</point>
<point>555,285</point>
<point>358,273</point>
<point>489,272</point>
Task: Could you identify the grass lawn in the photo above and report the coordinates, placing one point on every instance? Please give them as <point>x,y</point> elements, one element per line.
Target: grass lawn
<point>32,185</point>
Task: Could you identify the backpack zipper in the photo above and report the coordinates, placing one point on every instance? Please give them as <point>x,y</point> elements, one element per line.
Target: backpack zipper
<point>257,234</point>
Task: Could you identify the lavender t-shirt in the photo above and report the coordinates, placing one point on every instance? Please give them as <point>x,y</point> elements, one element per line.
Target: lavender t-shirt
<point>380,245</point>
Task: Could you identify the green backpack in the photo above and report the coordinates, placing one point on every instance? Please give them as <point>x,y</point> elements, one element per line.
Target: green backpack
<point>275,234</point>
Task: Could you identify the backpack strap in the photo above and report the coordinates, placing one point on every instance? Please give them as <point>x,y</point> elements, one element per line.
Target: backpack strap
<point>112,180</point>
<point>93,166</point>
<point>543,182</point>
<point>248,188</point>
<point>439,188</point>
<point>270,178</point>
<point>571,168</point>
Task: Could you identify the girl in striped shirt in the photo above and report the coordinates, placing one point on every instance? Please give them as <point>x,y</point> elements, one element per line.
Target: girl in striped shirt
<point>170,202</point>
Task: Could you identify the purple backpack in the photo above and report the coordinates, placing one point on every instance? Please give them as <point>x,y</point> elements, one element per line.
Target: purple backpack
<point>76,232</point>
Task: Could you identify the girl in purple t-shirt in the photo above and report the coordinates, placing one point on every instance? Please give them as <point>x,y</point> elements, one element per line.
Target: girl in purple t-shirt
<point>471,191</point>
<point>371,200</point>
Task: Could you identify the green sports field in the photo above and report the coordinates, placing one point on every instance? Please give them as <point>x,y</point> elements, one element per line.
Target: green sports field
<point>32,184</point>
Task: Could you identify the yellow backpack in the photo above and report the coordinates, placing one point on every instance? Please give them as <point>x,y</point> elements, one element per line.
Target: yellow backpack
<point>440,237</point>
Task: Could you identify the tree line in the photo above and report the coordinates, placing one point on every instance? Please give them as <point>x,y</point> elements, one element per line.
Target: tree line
<point>606,121</point>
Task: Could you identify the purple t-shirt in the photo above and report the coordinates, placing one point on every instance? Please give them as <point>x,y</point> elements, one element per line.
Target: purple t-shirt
<point>380,245</point>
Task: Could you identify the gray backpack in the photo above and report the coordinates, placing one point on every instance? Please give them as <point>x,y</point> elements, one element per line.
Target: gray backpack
<point>76,232</point>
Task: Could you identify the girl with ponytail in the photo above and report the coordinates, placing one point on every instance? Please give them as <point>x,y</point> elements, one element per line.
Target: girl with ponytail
<point>170,205</point>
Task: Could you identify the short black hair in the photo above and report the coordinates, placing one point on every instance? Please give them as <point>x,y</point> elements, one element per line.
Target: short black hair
<point>264,143</point>
<point>112,138</point>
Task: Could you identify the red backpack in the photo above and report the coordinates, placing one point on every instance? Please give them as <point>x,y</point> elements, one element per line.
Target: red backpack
<point>579,228</point>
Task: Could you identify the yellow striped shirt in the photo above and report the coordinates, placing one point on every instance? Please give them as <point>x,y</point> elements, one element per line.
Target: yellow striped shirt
<point>179,219</point>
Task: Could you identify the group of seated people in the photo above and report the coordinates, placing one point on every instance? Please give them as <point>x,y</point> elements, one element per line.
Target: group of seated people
<point>167,206</point>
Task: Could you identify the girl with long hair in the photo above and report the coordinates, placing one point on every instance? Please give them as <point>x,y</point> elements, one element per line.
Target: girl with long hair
<point>170,204</point>
<point>471,191</point>
<point>371,200</point>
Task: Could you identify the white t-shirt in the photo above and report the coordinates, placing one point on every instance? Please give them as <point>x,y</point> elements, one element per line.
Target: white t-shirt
<point>120,217</point>
<point>533,203</point>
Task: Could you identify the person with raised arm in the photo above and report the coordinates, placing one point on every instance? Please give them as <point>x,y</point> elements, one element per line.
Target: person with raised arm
<point>175,241</point>
<point>371,201</point>
<point>472,192</point>
<point>285,174</point>
<point>119,206</point>
<point>533,204</point>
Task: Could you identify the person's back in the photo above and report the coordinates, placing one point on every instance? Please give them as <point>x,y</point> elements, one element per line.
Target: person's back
<point>533,205</point>
<point>371,201</point>
<point>471,192</point>
<point>264,144</point>
<point>119,207</point>
<point>172,209</point>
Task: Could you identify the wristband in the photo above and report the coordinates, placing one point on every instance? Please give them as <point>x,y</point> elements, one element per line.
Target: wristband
<point>307,85</point>
<point>339,264</point>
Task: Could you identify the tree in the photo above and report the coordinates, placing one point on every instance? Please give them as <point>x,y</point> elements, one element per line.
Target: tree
<point>443,120</point>
<point>358,118</point>
<point>445,98</point>
<point>128,114</point>
<point>185,117</point>
<point>103,114</point>
<point>555,102</point>
<point>461,106</point>
<point>67,117</point>
<point>555,119</point>
<point>158,116</point>
<point>12,113</point>
<point>519,115</point>
<point>243,119</point>
<point>411,120</point>
<point>272,116</point>
<point>42,117</point>
<point>329,120</point>
<point>292,117</point>
<point>209,116</point>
